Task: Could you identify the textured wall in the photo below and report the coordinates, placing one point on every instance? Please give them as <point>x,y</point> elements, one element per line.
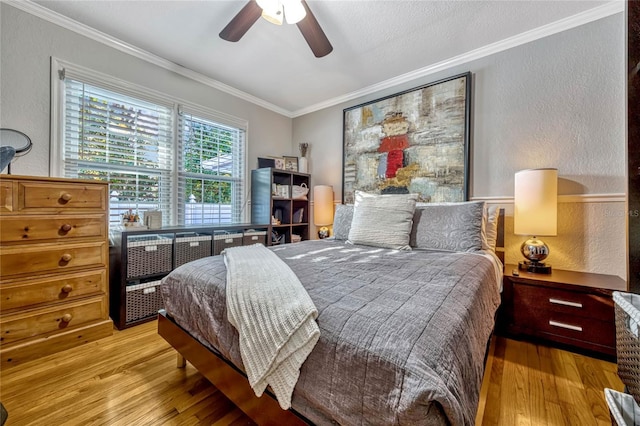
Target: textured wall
<point>555,102</point>
<point>28,42</point>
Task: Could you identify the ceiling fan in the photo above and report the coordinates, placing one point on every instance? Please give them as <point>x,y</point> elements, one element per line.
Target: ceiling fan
<point>295,11</point>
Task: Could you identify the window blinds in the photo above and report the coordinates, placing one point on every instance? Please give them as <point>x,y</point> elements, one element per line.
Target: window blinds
<point>156,151</point>
<point>122,139</point>
<point>210,170</point>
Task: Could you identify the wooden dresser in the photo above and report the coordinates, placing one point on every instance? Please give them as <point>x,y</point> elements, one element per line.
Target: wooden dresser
<point>54,257</point>
<point>574,309</point>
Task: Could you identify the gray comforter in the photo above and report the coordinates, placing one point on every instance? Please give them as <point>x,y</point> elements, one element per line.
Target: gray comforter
<point>402,334</point>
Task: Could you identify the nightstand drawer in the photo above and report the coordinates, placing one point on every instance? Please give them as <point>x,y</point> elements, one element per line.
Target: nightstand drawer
<point>580,329</point>
<point>562,301</point>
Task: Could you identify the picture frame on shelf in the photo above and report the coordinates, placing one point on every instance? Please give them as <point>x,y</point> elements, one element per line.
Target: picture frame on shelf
<point>291,163</point>
<point>279,163</point>
<point>266,162</point>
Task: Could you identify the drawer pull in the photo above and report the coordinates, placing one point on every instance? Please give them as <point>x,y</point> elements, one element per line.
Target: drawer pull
<point>66,257</point>
<point>565,303</point>
<point>65,228</point>
<point>67,318</point>
<point>67,288</point>
<point>65,197</point>
<point>563,325</point>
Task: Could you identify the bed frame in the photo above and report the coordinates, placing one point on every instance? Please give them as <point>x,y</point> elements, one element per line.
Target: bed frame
<point>231,381</point>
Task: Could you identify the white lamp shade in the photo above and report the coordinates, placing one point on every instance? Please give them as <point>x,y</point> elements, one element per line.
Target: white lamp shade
<point>536,202</point>
<point>322,205</point>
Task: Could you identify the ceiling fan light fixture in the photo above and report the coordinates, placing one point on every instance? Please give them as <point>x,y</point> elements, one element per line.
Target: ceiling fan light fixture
<point>275,17</point>
<point>294,11</point>
<point>272,11</point>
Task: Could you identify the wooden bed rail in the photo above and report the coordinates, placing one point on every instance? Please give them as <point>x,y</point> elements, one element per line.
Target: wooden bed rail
<point>230,381</point>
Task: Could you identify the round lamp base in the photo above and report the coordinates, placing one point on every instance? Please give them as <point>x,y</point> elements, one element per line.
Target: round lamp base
<point>323,232</point>
<point>535,251</point>
<point>535,267</point>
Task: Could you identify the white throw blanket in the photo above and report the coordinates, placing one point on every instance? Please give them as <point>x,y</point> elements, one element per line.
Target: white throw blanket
<point>274,316</point>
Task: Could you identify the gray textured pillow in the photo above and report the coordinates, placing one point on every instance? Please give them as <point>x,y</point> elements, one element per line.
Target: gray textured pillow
<point>382,220</point>
<point>448,226</point>
<point>342,221</point>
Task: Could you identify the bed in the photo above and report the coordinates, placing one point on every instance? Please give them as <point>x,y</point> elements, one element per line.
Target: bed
<point>403,333</point>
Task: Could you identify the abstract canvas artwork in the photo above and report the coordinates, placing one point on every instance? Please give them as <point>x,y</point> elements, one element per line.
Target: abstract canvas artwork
<point>412,142</point>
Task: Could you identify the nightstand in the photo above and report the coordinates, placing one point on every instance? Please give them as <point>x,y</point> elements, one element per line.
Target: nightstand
<point>574,309</point>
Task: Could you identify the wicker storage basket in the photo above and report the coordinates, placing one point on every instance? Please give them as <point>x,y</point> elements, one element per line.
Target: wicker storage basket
<point>192,247</point>
<point>254,237</point>
<point>148,255</point>
<point>224,240</point>
<point>299,192</point>
<point>143,300</point>
<point>627,308</point>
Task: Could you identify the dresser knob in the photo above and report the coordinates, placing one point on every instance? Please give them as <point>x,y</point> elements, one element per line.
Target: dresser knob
<point>66,227</point>
<point>65,197</point>
<point>66,257</point>
<point>67,288</point>
<point>67,318</point>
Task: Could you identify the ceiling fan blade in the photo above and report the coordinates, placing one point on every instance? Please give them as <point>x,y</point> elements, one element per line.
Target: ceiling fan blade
<point>312,32</point>
<point>241,23</point>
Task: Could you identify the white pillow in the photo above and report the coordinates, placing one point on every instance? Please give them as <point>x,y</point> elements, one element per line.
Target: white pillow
<point>490,227</point>
<point>383,220</point>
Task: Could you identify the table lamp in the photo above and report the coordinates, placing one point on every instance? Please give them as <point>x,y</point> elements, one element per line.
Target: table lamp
<point>535,215</point>
<point>323,209</point>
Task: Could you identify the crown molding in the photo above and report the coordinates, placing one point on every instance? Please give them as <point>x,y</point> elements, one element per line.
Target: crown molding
<point>89,32</point>
<point>565,24</point>
<point>569,198</point>
<point>600,12</point>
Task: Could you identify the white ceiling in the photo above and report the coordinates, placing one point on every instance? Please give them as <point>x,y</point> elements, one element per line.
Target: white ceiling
<point>374,41</point>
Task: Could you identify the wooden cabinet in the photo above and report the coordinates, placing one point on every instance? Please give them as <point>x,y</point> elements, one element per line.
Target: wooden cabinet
<point>273,195</point>
<point>570,308</point>
<point>53,265</point>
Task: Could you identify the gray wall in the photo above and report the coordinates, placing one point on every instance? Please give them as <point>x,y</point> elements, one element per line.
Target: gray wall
<point>555,102</point>
<point>28,42</point>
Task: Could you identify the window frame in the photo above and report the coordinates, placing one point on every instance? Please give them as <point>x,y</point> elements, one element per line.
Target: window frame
<point>61,69</point>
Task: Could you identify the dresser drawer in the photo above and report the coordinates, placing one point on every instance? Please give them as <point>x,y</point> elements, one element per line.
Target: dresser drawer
<point>34,228</point>
<point>28,324</point>
<point>581,329</point>
<point>579,304</point>
<point>23,293</point>
<point>6,196</point>
<point>46,196</point>
<point>37,258</point>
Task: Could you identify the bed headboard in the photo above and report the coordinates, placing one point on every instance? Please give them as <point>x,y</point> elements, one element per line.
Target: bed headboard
<point>500,238</point>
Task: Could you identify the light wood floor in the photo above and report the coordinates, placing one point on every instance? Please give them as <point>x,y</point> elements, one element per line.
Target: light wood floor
<point>131,379</point>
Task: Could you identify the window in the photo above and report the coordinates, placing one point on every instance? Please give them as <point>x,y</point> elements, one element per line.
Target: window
<point>210,171</point>
<point>127,141</point>
<point>156,152</point>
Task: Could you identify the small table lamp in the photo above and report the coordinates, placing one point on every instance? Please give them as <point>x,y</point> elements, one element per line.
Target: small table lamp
<point>323,209</point>
<point>535,214</point>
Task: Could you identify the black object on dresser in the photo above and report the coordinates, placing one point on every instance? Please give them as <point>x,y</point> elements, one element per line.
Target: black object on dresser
<point>274,194</point>
<point>573,309</point>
